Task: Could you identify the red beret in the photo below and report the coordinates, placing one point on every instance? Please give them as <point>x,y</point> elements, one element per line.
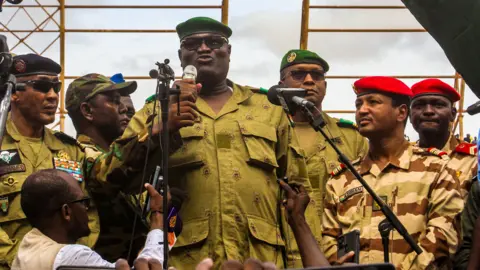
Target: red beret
<point>437,87</point>
<point>381,84</point>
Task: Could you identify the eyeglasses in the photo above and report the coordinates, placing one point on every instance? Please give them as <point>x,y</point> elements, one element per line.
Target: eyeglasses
<point>43,86</point>
<point>85,201</point>
<point>214,42</point>
<point>299,75</point>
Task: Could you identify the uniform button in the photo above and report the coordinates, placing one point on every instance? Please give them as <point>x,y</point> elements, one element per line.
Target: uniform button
<point>198,128</point>
<point>238,218</point>
<point>194,239</point>
<point>266,106</point>
<point>256,197</point>
<point>206,171</point>
<point>236,174</point>
<point>254,230</point>
<point>266,159</point>
<point>205,133</point>
<point>249,117</point>
<point>207,213</point>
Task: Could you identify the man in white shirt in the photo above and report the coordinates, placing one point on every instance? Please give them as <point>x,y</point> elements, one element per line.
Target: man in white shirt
<point>56,207</point>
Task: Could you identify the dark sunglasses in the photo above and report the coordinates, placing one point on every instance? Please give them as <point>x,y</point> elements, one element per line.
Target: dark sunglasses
<point>192,44</point>
<point>299,75</point>
<point>43,86</point>
<point>85,201</point>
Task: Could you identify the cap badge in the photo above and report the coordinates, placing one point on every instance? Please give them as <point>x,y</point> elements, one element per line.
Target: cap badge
<point>20,66</point>
<point>291,57</point>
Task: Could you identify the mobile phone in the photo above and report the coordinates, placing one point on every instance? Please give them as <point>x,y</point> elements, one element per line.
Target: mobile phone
<point>349,242</point>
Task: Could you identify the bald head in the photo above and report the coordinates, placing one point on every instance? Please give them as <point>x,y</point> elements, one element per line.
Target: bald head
<point>45,191</point>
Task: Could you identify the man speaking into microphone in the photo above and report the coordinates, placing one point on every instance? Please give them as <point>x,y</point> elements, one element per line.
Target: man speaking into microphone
<point>305,69</point>
<point>230,160</point>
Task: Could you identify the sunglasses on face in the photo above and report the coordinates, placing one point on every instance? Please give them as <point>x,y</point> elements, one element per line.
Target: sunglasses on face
<point>85,201</point>
<point>192,44</point>
<point>299,75</point>
<point>43,86</point>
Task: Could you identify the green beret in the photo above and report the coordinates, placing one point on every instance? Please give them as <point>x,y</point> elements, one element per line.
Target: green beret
<point>202,25</point>
<point>294,57</point>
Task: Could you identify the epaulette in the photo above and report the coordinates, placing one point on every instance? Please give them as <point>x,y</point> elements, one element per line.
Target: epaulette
<point>346,124</point>
<point>150,98</point>
<point>257,90</point>
<point>67,139</point>
<point>466,148</point>
<point>437,152</point>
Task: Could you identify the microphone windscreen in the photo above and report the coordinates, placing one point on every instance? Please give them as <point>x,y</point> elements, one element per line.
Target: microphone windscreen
<point>190,72</point>
<point>153,73</point>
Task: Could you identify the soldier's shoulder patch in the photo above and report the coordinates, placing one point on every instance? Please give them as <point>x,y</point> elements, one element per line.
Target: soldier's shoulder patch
<point>346,124</point>
<point>150,98</point>
<point>431,151</point>
<point>67,139</point>
<point>466,148</point>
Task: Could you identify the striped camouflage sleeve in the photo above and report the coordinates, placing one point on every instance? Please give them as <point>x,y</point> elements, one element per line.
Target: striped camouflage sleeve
<point>441,238</point>
<point>330,228</point>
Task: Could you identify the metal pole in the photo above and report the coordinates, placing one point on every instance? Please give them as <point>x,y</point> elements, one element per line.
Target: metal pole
<point>62,63</point>
<point>304,24</point>
<point>225,11</point>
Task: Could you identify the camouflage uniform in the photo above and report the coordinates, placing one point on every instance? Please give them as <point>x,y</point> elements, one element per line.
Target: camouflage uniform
<point>228,164</point>
<point>470,216</point>
<point>116,213</point>
<point>323,159</point>
<point>464,162</point>
<point>420,190</point>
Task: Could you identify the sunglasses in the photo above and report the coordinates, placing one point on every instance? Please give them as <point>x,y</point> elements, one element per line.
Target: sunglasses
<point>299,75</point>
<point>192,44</point>
<point>85,201</point>
<point>43,86</point>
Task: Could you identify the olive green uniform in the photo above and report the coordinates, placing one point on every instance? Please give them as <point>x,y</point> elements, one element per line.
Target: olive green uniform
<point>228,164</point>
<point>13,172</point>
<point>322,159</point>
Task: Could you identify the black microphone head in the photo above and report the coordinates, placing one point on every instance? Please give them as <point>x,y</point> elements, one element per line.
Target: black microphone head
<point>153,73</point>
<point>16,2</point>
<point>272,95</point>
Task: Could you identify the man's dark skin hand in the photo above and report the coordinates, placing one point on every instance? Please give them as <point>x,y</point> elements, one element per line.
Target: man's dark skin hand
<point>296,203</point>
<point>188,110</point>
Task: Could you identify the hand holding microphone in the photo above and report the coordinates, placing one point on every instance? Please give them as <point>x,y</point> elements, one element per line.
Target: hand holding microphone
<point>183,110</point>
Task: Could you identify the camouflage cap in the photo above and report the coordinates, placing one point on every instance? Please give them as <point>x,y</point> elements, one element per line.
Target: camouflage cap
<point>84,88</point>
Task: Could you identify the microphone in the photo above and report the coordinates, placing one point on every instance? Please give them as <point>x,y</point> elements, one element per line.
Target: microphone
<point>303,102</point>
<point>474,108</point>
<point>190,72</point>
<point>288,93</point>
<point>153,73</point>
<point>15,2</point>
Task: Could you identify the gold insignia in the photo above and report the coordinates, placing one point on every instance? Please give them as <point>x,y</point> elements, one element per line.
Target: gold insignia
<point>459,173</point>
<point>375,206</point>
<point>10,182</point>
<point>63,155</point>
<point>291,57</point>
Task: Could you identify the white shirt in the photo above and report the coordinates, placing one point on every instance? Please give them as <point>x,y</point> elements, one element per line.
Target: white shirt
<point>79,255</point>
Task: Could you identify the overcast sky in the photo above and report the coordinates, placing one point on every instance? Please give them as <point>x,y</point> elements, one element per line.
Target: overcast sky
<point>263,31</point>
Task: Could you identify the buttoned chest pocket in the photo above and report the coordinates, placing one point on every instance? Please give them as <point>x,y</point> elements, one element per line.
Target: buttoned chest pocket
<point>260,141</point>
<point>13,172</point>
<point>190,155</point>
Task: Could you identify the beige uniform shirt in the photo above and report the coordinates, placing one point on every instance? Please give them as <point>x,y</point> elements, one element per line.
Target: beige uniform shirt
<point>421,191</point>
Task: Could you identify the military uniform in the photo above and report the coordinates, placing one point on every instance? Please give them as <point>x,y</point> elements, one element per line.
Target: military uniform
<point>464,162</point>
<point>228,164</point>
<point>470,216</point>
<point>420,190</point>
<point>19,161</point>
<point>322,159</point>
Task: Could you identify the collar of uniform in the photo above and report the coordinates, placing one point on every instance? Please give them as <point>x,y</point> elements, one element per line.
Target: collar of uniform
<point>88,142</point>
<point>402,162</point>
<point>51,141</point>
<point>451,144</point>
<point>48,138</point>
<point>240,93</point>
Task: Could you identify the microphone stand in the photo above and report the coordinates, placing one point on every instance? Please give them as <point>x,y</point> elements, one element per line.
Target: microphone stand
<point>165,76</point>
<point>318,123</point>
<point>5,105</point>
